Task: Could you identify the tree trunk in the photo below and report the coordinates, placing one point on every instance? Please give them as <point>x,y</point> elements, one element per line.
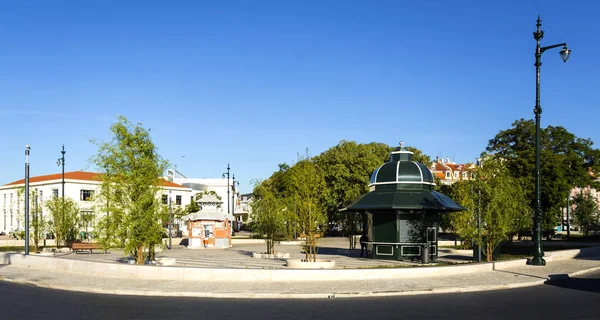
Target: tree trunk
<point>140,254</point>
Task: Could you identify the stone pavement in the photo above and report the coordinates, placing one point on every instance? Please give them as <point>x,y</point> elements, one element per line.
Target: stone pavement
<point>240,256</point>
<point>511,277</point>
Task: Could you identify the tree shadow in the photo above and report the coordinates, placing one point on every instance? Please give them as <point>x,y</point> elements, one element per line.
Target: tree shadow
<point>583,284</point>
<point>338,252</point>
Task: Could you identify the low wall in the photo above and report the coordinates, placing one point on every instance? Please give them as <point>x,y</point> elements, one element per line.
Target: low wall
<point>262,241</point>
<point>205,274</point>
<point>21,243</point>
<point>117,270</point>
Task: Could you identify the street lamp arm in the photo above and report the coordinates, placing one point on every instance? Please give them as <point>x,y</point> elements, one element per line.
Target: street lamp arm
<point>542,49</point>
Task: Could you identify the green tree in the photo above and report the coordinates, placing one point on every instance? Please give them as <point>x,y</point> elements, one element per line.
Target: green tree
<point>268,216</point>
<point>585,213</point>
<point>500,200</point>
<point>565,162</point>
<point>131,185</point>
<point>347,168</point>
<point>63,219</point>
<point>308,185</point>
<point>191,208</point>
<point>38,223</point>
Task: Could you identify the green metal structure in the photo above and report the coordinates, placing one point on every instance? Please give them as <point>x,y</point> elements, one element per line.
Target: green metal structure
<point>401,212</point>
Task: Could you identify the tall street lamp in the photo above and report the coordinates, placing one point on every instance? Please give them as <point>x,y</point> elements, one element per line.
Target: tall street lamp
<point>479,164</point>
<point>538,253</point>
<point>170,221</point>
<point>27,148</point>
<point>61,161</point>
<point>226,174</point>
<point>233,184</point>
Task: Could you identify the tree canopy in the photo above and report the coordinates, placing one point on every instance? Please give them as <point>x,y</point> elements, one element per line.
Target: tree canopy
<point>129,186</point>
<point>566,161</point>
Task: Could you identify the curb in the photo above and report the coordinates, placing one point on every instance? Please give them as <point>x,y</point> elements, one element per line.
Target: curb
<point>251,295</point>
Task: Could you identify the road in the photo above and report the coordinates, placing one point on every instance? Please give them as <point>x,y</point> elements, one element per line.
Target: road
<point>572,298</point>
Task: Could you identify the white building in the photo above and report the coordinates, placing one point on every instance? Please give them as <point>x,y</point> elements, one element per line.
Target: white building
<point>224,188</point>
<point>79,186</point>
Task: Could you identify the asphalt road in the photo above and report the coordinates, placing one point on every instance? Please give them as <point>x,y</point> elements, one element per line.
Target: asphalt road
<point>569,298</point>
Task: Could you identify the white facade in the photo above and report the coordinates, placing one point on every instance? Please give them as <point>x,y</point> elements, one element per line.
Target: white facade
<point>79,186</point>
<point>219,186</point>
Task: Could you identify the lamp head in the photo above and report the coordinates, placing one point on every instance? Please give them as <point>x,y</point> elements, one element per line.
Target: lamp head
<point>58,162</point>
<point>565,53</point>
<point>27,147</point>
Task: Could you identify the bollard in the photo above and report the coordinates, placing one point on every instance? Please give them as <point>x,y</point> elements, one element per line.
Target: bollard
<point>425,254</point>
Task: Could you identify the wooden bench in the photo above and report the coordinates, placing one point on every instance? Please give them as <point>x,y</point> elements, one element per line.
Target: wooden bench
<point>80,246</point>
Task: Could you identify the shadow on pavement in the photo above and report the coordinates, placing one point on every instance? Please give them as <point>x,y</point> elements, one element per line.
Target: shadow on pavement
<point>338,251</point>
<point>584,284</point>
<point>521,274</point>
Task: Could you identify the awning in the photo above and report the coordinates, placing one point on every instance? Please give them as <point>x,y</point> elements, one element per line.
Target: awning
<point>404,200</point>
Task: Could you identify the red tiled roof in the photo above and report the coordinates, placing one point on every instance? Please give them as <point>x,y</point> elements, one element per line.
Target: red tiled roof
<point>83,176</point>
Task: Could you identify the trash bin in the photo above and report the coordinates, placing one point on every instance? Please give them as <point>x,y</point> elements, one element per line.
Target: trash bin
<point>425,254</point>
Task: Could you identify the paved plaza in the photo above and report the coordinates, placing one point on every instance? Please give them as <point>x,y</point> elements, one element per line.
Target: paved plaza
<point>240,256</point>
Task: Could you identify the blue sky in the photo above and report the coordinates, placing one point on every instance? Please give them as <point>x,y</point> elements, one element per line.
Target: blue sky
<point>254,83</point>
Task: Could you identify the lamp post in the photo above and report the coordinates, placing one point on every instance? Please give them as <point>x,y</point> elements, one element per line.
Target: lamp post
<point>170,221</point>
<point>27,148</point>
<point>233,184</point>
<point>227,174</point>
<point>479,212</point>
<point>538,252</point>
<point>61,161</point>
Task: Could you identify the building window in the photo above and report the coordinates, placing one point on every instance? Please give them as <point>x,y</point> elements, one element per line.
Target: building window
<point>178,200</point>
<point>86,195</point>
<point>455,175</point>
<point>54,193</point>
<point>464,176</point>
<point>165,199</point>
<point>447,174</point>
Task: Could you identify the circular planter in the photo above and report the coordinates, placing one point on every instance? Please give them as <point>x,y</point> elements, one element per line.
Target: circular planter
<point>270,255</point>
<point>301,264</point>
<point>163,262</point>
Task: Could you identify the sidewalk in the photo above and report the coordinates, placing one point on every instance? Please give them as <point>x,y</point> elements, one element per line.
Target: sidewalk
<point>510,277</point>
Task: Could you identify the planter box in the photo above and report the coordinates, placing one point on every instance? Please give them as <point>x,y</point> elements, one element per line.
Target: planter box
<point>270,255</point>
<point>319,264</point>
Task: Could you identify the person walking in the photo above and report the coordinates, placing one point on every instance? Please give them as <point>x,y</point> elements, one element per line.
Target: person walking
<point>363,245</point>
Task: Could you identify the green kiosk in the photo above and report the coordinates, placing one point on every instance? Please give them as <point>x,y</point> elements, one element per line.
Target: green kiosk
<point>401,212</point>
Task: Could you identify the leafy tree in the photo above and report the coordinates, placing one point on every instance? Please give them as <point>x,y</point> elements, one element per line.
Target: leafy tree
<point>63,219</point>
<point>585,213</point>
<point>38,223</point>
<point>191,208</point>
<point>268,217</point>
<point>565,162</point>
<point>131,184</point>
<point>308,185</point>
<point>347,168</point>
<point>501,202</point>
<point>280,185</point>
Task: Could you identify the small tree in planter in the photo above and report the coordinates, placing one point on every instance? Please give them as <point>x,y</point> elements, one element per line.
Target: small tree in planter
<point>308,184</point>
<point>63,219</point>
<point>268,216</point>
